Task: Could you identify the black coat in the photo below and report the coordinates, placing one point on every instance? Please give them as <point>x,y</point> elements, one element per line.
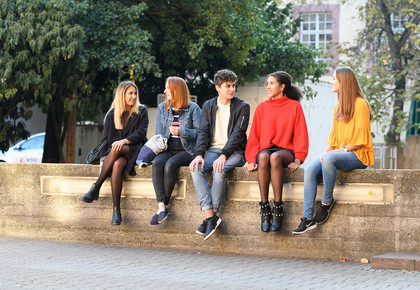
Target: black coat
<point>238,123</point>
<point>135,131</point>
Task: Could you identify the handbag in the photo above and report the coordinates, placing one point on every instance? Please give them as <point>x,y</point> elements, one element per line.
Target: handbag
<point>151,149</point>
<point>93,156</point>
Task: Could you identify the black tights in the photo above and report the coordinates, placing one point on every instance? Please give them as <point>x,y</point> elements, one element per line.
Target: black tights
<point>270,166</point>
<point>114,163</point>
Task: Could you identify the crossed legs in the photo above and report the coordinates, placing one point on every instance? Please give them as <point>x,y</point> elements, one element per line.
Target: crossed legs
<point>114,164</point>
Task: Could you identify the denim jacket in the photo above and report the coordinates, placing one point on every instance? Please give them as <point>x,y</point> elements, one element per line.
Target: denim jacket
<point>189,123</point>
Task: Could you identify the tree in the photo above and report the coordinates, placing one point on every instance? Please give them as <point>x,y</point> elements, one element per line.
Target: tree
<point>194,39</point>
<point>54,55</point>
<point>37,61</point>
<point>115,47</point>
<point>79,50</point>
<point>387,58</point>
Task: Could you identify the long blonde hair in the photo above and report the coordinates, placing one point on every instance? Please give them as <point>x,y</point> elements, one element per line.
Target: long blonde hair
<point>119,103</point>
<point>179,94</point>
<point>349,91</point>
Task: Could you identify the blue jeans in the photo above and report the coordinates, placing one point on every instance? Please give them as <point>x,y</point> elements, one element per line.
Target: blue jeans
<point>207,199</point>
<point>331,162</point>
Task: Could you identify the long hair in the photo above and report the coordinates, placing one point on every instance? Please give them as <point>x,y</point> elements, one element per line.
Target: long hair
<point>349,91</point>
<point>291,90</point>
<point>119,103</point>
<point>179,94</point>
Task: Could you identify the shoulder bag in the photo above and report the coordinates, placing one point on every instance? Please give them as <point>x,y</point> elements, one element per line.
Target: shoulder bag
<point>93,156</point>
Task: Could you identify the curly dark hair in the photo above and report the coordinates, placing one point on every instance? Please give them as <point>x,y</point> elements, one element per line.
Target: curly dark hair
<point>223,76</point>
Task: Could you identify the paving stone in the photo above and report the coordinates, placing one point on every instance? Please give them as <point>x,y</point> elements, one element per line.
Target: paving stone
<point>36,264</point>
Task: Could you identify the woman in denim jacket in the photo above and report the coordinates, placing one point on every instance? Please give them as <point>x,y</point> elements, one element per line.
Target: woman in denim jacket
<point>177,119</point>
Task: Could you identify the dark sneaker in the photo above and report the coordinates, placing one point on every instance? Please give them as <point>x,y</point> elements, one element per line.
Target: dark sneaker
<point>323,213</point>
<point>212,224</point>
<point>305,226</point>
<point>202,228</point>
<point>163,215</point>
<point>154,221</point>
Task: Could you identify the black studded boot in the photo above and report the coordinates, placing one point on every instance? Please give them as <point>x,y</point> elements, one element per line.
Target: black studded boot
<point>91,195</point>
<point>277,216</point>
<point>265,216</point>
<point>116,216</point>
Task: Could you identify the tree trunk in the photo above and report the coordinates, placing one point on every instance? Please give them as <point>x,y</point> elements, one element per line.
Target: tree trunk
<point>393,137</point>
<point>71,136</point>
<point>53,152</point>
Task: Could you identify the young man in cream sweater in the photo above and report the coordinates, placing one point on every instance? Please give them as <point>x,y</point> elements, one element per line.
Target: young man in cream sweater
<point>220,146</point>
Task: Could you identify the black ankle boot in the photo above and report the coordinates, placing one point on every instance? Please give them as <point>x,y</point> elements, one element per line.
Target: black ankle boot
<point>91,195</point>
<point>116,216</point>
<point>265,216</point>
<point>277,216</point>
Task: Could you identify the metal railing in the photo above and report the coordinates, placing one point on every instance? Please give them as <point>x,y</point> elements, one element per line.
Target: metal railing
<point>386,155</point>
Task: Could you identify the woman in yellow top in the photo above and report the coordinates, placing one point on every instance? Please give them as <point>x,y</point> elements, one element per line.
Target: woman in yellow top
<point>349,147</point>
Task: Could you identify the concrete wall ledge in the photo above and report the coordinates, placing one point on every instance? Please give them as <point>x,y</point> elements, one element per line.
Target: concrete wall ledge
<point>376,213</point>
<point>397,261</point>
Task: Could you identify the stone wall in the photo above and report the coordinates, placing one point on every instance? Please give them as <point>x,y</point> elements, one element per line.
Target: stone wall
<point>376,212</point>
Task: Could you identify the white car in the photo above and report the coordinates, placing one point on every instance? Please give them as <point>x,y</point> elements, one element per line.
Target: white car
<point>26,151</point>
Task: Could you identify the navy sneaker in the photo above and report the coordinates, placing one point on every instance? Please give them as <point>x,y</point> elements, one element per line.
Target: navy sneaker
<point>163,215</point>
<point>154,220</point>
<point>323,213</point>
<point>212,224</point>
<point>305,225</point>
<point>202,228</point>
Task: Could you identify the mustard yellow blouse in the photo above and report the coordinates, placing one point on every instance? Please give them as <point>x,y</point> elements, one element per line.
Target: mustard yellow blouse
<point>356,132</point>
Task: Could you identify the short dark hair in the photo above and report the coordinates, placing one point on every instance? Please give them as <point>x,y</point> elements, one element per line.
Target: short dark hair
<point>223,76</point>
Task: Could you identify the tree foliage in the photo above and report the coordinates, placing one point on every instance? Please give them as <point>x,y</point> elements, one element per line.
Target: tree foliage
<point>387,58</point>
<point>39,62</point>
<point>194,39</point>
<point>64,55</point>
<point>115,47</point>
<point>68,56</point>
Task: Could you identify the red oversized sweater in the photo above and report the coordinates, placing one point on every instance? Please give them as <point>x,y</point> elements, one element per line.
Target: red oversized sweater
<point>279,122</point>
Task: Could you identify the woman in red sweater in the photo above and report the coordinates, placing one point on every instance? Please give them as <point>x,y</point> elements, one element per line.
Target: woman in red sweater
<point>278,139</point>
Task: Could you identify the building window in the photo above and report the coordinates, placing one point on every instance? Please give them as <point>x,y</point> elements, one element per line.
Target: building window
<point>319,28</point>
<point>316,31</point>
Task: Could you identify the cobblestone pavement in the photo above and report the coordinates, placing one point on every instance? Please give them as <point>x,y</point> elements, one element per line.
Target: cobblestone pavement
<point>36,264</point>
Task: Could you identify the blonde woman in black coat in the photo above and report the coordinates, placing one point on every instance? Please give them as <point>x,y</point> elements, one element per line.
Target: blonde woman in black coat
<point>125,129</point>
